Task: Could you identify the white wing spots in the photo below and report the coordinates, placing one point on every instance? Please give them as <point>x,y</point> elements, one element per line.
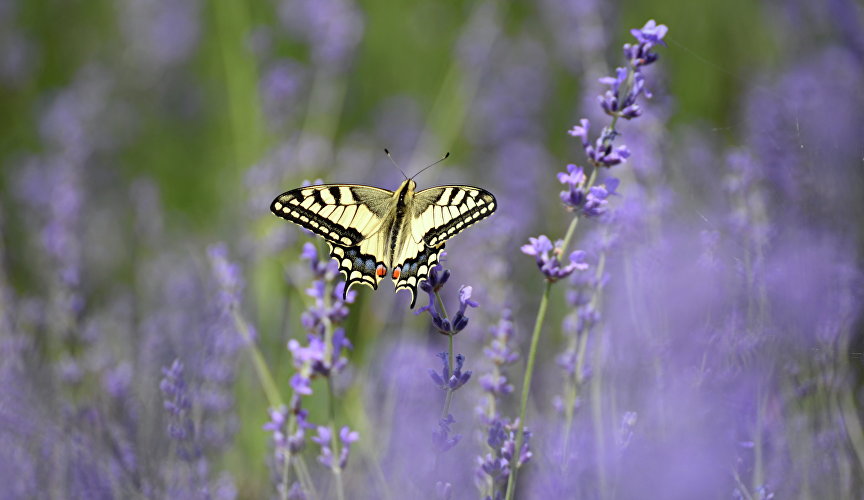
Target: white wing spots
<point>355,275</point>
<point>294,201</point>
<point>303,218</point>
<point>346,240</point>
<point>313,223</point>
<point>286,210</point>
<point>277,206</point>
<point>470,203</point>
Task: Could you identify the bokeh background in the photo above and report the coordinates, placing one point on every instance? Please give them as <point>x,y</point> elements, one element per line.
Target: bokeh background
<point>141,142</point>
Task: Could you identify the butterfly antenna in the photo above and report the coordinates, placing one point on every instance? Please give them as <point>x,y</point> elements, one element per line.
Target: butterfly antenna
<point>432,165</point>
<point>394,164</point>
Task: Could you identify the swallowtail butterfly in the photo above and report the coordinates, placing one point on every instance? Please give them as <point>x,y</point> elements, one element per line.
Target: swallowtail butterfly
<point>372,232</point>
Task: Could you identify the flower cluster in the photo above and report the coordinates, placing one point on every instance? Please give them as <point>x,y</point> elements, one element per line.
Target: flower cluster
<point>329,305</point>
<point>591,201</point>
<point>493,467</point>
<point>284,442</point>
<point>498,463</point>
<point>550,265</point>
<point>325,438</point>
<point>436,280</point>
<point>450,381</point>
<point>321,356</point>
<point>500,352</point>
<point>178,405</point>
<point>618,101</point>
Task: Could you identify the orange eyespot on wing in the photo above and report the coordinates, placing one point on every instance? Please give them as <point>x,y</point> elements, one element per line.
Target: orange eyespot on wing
<point>381,271</point>
<point>396,273</point>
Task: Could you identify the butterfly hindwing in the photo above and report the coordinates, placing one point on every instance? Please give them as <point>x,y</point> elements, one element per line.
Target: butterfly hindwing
<point>416,268</point>
<point>357,266</point>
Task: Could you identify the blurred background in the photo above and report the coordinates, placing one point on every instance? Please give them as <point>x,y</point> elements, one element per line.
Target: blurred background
<point>711,349</point>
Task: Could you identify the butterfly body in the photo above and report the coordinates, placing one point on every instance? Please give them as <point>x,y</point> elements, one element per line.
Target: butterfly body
<point>372,232</point>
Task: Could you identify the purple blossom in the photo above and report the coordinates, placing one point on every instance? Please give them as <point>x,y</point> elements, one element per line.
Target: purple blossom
<point>441,438</point>
<point>178,406</point>
<point>447,381</point>
<point>648,36</point>
<point>497,464</point>
<point>591,203</point>
<point>548,264</point>
<point>346,437</point>
<point>446,326</point>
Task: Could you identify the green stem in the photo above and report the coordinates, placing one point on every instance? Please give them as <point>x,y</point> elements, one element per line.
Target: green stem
<point>449,398</point>
<point>526,386</point>
<point>264,376</point>
<point>334,442</point>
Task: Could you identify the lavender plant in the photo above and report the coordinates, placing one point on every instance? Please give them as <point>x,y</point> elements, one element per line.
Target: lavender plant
<point>582,196</point>
<point>451,377</point>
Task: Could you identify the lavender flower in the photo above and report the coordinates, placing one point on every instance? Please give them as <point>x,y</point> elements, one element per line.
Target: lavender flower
<point>450,381</point>
<point>549,265</point>
<point>178,405</point>
<point>591,201</point>
<point>437,278</point>
<point>441,438</point>
<point>324,439</point>
<point>501,354</point>
<point>648,36</point>
<point>601,153</point>
<point>501,439</point>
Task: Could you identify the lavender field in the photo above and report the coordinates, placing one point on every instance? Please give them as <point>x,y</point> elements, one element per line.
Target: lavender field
<point>666,303</point>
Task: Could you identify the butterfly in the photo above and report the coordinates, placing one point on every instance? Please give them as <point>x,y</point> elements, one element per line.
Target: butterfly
<point>373,231</point>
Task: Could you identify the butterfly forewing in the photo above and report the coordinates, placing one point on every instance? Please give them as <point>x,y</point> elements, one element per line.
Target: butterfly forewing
<point>341,214</point>
<point>445,211</point>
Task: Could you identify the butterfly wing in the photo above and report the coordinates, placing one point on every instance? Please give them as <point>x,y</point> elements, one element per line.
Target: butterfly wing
<point>437,214</point>
<point>349,218</point>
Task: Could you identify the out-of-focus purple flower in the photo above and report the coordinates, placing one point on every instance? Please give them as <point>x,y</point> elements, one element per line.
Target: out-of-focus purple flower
<point>549,265</point>
<point>281,87</point>
<point>178,406</point>
<point>331,28</point>
<point>227,275</point>
<point>441,438</point>
<point>314,356</point>
<point>161,34</point>
<point>625,431</point>
<point>346,437</point>
<point>596,201</point>
<point>499,350</point>
<point>443,491</point>
<point>497,464</point>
